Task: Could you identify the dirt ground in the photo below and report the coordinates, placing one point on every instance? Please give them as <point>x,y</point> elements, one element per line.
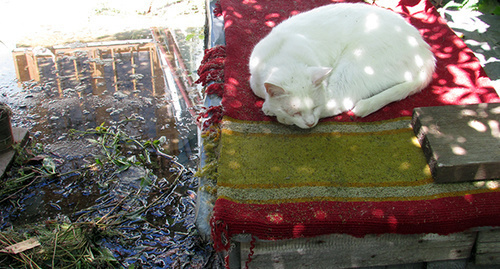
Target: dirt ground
<point>46,23</point>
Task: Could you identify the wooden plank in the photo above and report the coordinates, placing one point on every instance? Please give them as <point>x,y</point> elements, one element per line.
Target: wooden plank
<point>453,264</point>
<point>419,265</point>
<point>344,251</point>
<point>492,235</point>
<point>21,246</point>
<point>20,135</point>
<point>461,143</point>
<point>488,248</point>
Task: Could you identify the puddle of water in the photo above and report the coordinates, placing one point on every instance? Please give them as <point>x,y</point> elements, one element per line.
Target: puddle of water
<point>135,85</point>
<point>83,87</point>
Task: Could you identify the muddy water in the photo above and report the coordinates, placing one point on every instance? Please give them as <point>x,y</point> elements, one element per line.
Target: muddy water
<point>133,85</point>
<point>86,85</point>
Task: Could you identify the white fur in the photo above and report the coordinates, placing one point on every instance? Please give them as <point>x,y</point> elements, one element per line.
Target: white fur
<point>337,58</point>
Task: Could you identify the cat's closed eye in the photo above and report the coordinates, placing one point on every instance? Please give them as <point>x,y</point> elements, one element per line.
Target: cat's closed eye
<point>293,113</point>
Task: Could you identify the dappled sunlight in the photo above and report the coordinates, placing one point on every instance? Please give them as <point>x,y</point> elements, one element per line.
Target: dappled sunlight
<point>234,165</point>
<point>468,20</point>
<point>348,103</point>
<point>458,150</point>
<point>408,76</point>
<point>275,218</point>
<point>305,170</point>
<point>412,41</point>
<point>369,70</point>
<point>405,165</point>
<point>378,213</point>
<point>358,53</point>
<point>490,184</point>
<point>415,142</point>
<point>275,169</point>
<point>477,125</point>
<point>372,23</point>
<point>459,141</point>
<point>286,182</point>
<point>331,104</point>
<point>298,230</point>
<point>393,222</point>
<point>458,78</point>
<point>320,214</point>
<point>494,127</point>
<point>427,171</point>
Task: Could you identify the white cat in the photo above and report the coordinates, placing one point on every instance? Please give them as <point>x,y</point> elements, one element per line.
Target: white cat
<point>337,58</point>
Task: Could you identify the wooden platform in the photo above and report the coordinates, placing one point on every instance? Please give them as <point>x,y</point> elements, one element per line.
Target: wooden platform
<point>461,143</point>
<point>6,157</point>
<point>471,250</point>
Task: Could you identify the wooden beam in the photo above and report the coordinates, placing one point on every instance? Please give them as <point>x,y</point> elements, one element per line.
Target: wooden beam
<point>345,251</point>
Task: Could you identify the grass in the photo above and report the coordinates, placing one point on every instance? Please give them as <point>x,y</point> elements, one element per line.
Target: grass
<point>62,245</point>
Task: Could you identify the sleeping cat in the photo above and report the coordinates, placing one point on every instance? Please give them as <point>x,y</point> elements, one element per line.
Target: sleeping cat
<point>337,58</point>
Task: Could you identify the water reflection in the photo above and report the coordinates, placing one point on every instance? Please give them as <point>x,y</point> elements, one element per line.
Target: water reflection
<point>81,86</point>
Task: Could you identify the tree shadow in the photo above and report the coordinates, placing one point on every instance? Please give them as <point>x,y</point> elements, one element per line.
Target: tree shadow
<point>459,78</point>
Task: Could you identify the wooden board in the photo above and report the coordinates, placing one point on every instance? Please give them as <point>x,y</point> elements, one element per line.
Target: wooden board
<point>20,136</point>
<point>488,247</point>
<point>461,143</point>
<point>344,251</point>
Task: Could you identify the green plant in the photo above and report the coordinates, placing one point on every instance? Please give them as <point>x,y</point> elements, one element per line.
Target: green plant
<point>485,6</point>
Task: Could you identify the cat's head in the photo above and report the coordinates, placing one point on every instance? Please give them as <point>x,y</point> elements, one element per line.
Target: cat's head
<point>298,100</point>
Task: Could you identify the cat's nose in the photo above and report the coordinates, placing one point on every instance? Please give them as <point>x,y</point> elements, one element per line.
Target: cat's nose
<point>310,125</point>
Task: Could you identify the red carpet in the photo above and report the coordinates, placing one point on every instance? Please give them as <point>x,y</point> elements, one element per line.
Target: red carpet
<point>307,202</point>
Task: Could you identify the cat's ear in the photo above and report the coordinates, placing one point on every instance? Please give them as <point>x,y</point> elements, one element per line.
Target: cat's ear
<point>273,90</point>
<point>319,74</point>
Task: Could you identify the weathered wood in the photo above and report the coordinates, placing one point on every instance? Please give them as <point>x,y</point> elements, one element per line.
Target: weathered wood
<point>461,143</point>
<point>419,265</point>
<point>492,235</point>
<point>20,135</point>
<point>454,264</point>
<point>488,248</point>
<point>344,251</point>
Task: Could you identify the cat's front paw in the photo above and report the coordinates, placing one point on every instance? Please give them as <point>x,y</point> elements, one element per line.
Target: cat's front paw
<point>267,112</point>
<point>362,108</point>
<point>284,120</point>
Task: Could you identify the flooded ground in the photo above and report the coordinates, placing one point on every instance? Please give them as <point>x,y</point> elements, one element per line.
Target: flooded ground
<point>90,98</point>
<point>83,86</point>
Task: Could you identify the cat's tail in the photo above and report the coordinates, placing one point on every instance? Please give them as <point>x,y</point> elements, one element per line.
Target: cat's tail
<point>397,92</point>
